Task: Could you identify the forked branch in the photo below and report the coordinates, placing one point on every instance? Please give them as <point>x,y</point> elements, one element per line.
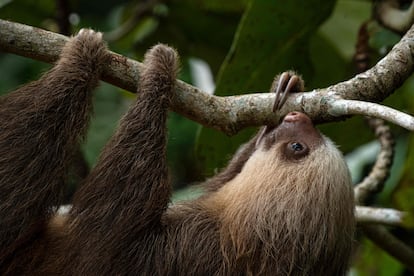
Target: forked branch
<point>231,114</point>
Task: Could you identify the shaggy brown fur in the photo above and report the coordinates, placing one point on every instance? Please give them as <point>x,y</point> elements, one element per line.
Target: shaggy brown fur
<point>283,206</point>
<point>40,128</point>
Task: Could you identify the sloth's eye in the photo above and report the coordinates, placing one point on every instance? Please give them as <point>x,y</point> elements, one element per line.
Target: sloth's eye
<point>296,146</point>
<point>296,150</point>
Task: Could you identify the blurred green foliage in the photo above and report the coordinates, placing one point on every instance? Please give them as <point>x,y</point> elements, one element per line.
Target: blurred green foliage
<point>245,43</point>
<point>272,37</point>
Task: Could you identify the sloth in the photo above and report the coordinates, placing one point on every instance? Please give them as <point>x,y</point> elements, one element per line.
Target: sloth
<point>283,205</point>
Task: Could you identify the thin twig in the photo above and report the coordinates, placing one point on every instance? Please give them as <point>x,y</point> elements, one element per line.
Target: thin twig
<point>351,107</point>
<point>374,182</point>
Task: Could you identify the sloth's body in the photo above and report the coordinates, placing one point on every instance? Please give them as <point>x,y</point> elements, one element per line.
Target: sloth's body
<point>283,206</point>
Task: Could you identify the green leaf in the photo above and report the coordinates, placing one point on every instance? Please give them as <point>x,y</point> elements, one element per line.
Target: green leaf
<point>29,12</point>
<point>218,5</point>
<point>273,36</point>
<point>372,260</point>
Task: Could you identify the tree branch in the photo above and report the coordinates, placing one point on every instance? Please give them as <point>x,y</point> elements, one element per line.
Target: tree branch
<point>230,114</point>
<point>391,15</point>
<point>373,183</point>
<point>389,243</point>
<point>385,216</point>
<point>352,107</point>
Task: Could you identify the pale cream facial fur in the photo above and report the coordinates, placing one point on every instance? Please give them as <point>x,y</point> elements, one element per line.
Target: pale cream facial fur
<point>279,202</point>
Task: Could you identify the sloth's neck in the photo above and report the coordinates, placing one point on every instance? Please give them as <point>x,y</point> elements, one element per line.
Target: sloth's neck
<point>281,221</point>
